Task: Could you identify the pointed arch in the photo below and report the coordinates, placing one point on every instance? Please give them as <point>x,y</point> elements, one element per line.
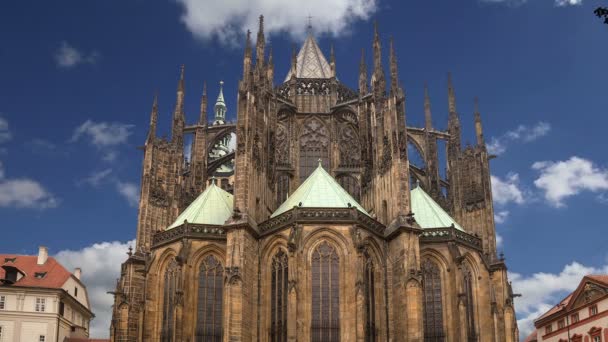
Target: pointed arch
<point>278,297</point>
<point>370,295</point>
<point>314,145</point>
<point>468,288</point>
<point>325,278</point>
<point>210,292</point>
<point>170,284</point>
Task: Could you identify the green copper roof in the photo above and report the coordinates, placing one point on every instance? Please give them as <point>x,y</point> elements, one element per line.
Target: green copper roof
<point>220,98</point>
<point>429,213</point>
<point>319,190</point>
<point>213,206</point>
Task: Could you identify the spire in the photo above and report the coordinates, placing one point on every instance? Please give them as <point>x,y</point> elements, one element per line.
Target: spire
<point>393,67</point>
<point>451,95</point>
<point>378,81</point>
<point>202,120</point>
<point>220,107</point>
<point>270,69</point>
<point>478,127</point>
<point>247,57</point>
<point>153,118</point>
<point>177,130</point>
<point>428,120</point>
<point>260,44</point>
<point>311,63</point>
<point>332,61</point>
<point>362,74</point>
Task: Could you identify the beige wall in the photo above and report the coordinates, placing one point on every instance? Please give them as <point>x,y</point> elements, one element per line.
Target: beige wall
<point>582,329</point>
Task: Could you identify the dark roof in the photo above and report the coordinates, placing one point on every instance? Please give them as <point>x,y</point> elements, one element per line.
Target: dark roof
<point>49,275</point>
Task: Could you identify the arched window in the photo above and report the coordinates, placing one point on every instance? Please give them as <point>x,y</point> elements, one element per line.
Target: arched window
<point>282,188</point>
<point>278,307</point>
<point>433,306</point>
<point>351,185</point>
<point>370,300</point>
<point>325,294</point>
<point>314,145</point>
<point>470,303</point>
<point>169,289</point>
<point>209,309</point>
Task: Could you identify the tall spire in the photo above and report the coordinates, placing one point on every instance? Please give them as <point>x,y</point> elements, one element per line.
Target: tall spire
<point>362,74</point>
<point>177,130</point>
<point>478,127</point>
<point>260,44</point>
<point>153,118</point>
<point>379,82</point>
<point>451,95</point>
<point>247,57</point>
<point>428,120</point>
<point>220,107</point>
<point>393,67</point>
<point>202,120</point>
<point>332,61</point>
<point>453,119</point>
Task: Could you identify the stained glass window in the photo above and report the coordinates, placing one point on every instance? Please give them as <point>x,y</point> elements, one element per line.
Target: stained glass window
<point>314,146</point>
<point>325,294</point>
<point>278,312</point>
<point>432,303</point>
<point>209,308</point>
<point>170,286</point>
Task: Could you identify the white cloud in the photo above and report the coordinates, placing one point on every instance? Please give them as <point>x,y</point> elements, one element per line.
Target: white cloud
<point>507,190</point>
<point>568,2</point>
<point>25,193</point>
<point>541,291</point>
<point>129,191</point>
<point>103,134</point>
<point>499,240</point>
<point>96,178</point>
<point>522,133</point>
<point>501,216</point>
<point>5,134</point>
<point>100,265</point>
<point>232,142</point>
<point>562,179</point>
<point>68,56</point>
<point>228,20</point>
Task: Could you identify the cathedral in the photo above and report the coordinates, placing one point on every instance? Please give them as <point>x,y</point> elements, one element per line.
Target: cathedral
<point>307,218</point>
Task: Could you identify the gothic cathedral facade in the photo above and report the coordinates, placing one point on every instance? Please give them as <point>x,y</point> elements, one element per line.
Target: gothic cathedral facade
<point>316,225</point>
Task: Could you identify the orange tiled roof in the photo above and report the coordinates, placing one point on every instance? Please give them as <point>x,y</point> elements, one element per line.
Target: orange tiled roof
<point>601,278</point>
<point>532,337</point>
<point>56,275</point>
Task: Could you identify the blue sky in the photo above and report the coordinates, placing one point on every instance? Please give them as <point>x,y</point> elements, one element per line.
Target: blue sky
<point>77,80</point>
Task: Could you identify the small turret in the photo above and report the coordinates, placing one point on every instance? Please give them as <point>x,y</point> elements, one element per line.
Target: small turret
<point>332,61</point>
<point>153,119</point>
<point>260,44</point>
<point>247,57</point>
<point>451,95</point>
<point>393,68</point>
<point>453,120</point>
<point>220,107</point>
<point>378,80</point>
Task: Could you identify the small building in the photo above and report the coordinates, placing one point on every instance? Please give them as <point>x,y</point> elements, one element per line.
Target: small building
<point>580,317</point>
<point>41,301</point>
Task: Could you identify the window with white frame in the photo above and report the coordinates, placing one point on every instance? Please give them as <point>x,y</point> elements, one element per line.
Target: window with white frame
<point>2,302</point>
<point>41,338</point>
<point>597,339</point>
<point>40,304</point>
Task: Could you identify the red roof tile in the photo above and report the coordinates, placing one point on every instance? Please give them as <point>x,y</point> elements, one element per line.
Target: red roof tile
<point>532,337</point>
<point>56,275</point>
<point>601,278</point>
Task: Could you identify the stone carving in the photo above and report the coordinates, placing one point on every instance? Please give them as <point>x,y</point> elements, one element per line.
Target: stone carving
<point>308,86</point>
<point>233,275</point>
<point>387,157</point>
<point>270,169</point>
<point>314,134</point>
<point>295,236</point>
<point>282,146</point>
<point>350,151</point>
<point>158,195</point>
<point>345,94</point>
<point>256,152</point>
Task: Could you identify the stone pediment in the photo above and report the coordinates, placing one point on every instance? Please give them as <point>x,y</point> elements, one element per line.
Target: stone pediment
<point>587,292</point>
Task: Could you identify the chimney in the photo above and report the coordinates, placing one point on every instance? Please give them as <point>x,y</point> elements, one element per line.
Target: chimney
<point>43,255</point>
<point>77,272</point>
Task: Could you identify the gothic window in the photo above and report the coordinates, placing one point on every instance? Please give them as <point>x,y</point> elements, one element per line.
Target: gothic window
<point>314,146</point>
<point>370,300</point>
<point>469,303</point>
<point>282,146</point>
<point>170,287</point>
<point>351,185</point>
<point>278,311</point>
<point>282,188</point>
<point>432,304</point>
<point>350,151</point>
<point>210,295</point>
<point>325,294</point>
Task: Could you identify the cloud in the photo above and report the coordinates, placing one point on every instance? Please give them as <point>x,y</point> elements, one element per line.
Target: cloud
<point>25,193</point>
<point>522,133</point>
<point>96,178</point>
<point>100,265</point>
<point>499,240</point>
<point>5,134</point>
<point>562,179</point>
<point>129,191</point>
<point>562,3</point>
<point>541,291</point>
<point>229,20</point>
<point>521,2</point>
<point>507,190</point>
<point>68,56</point>
<point>501,216</point>
<point>103,134</point>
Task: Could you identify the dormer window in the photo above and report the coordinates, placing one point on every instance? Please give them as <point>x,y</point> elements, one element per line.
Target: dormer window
<point>11,275</point>
<point>10,259</point>
<point>39,275</point>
